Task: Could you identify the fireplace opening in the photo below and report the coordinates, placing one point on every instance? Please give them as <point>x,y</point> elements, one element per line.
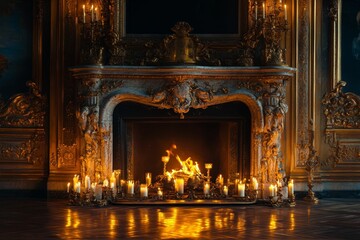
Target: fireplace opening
<point>219,134</point>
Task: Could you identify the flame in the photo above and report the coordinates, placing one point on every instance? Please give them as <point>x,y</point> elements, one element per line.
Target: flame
<point>188,168</point>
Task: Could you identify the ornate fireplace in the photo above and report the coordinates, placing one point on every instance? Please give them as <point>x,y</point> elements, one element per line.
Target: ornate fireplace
<point>180,90</point>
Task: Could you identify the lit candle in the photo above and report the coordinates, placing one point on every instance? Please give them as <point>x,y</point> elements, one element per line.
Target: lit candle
<point>207,189</point>
<point>98,192</point>
<point>68,187</point>
<point>255,183</point>
<point>263,10</point>
<point>148,178</point>
<point>78,187</point>
<point>106,183</point>
<point>96,15</point>
<point>93,186</point>
<point>159,193</point>
<point>235,186</point>
<point>92,13</point>
<point>241,189</point>
<point>271,191</point>
<point>130,189</point>
<point>87,182</point>
<point>75,181</point>
<point>113,181</point>
<point>226,191</point>
<point>84,14</point>
<point>285,12</point>
<point>256,10</point>
<point>143,191</point>
<point>221,180</point>
<point>291,188</point>
<point>179,185</point>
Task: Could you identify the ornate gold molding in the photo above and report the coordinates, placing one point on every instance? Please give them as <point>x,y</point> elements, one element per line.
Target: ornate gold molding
<point>24,110</point>
<point>66,156</point>
<point>30,150</point>
<point>342,110</point>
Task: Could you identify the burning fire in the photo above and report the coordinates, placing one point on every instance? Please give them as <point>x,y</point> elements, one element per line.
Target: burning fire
<point>189,168</point>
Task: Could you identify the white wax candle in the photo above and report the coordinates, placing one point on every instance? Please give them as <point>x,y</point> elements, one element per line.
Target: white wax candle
<point>96,14</point>
<point>285,12</point>
<point>263,10</point>
<point>98,192</point>
<point>143,191</point>
<point>68,187</point>
<point>92,13</point>
<point>179,185</point>
<point>256,184</point>
<point>75,181</point>
<point>291,188</point>
<point>93,186</point>
<point>207,189</point>
<point>78,187</point>
<point>241,189</point>
<point>106,183</point>
<point>84,14</point>
<point>221,180</point>
<point>113,181</point>
<point>226,190</point>
<point>87,182</point>
<point>256,10</point>
<point>159,193</point>
<point>148,179</point>
<point>130,188</point>
<point>271,191</point>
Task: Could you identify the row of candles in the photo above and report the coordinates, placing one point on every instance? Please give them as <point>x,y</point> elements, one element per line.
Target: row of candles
<point>179,184</point>
<point>274,188</point>
<point>264,10</point>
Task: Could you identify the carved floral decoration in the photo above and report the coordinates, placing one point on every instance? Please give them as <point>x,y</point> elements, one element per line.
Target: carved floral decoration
<point>342,110</point>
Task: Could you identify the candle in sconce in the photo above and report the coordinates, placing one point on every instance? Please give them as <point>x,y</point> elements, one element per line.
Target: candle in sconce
<point>92,13</point>
<point>241,189</point>
<point>143,191</point>
<point>130,187</point>
<point>179,185</point>
<point>263,6</point>
<point>84,14</point>
<point>206,189</point>
<point>226,191</point>
<point>285,12</point>
<point>256,10</point>
<point>148,178</point>
<point>96,14</point>
<point>68,188</point>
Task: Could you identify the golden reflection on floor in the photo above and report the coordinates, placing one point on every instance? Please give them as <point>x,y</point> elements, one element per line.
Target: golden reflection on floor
<point>55,220</point>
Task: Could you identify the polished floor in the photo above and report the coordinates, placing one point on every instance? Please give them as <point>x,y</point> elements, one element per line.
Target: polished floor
<point>332,218</point>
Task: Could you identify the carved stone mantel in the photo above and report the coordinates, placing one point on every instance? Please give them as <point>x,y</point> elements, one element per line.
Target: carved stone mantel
<point>101,88</point>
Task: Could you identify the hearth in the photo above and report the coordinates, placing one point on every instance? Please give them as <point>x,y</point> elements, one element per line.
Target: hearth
<point>219,135</point>
<point>125,112</point>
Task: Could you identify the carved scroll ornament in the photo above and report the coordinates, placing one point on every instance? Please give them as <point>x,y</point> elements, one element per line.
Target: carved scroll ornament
<point>181,96</point>
<point>342,110</point>
<point>24,110</point>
